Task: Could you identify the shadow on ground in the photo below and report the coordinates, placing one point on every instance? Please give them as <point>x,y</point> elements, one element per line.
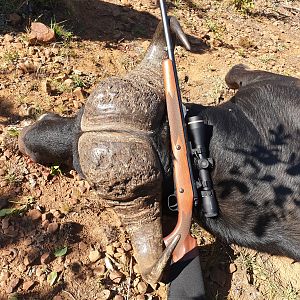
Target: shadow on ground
<point>97,20</point>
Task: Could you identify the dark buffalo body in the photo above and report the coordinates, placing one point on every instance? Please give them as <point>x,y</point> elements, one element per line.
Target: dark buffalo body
<point>256,149</point>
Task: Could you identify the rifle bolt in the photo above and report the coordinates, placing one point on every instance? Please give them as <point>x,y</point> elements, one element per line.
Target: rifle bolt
<point>178,147</point>
<point>181,190</point>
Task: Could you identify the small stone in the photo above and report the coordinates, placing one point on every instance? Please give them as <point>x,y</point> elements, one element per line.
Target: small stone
<point>127,247</point>
<point>47,216</point>
<point>31,257</point>
<point>39,272</point>
<point>68,82</point>
<point>42,278</point>
<point>40,33</point>
<point>116,276</point>
<point>116,244</point>
<point>57,297</point>
<point>28,285</point>
<point>7,153</point>
<point>12,285</point>
<point>57,214</point>
<point>46,258</point>
<point>28,241</point>
<point>34,214</point>
<point>140,297</point>
<point>94,255</point>
<point>8,38</point>
<point>52,227</point>
<point>46,87</point>
<point>4,275</point>
<point>5,223</point>
<point>118,297</point>
<point>123,259</point>
<point>79,93</point>
<point>45,224</point>
<point>100,270</point>
<point>82,246</point>
<point>136,269</point>
<point>105,294</point>
<point>58,268</point>
<point>48,53</point>
<point>136,282</point>
<point>232,268</point>
<point>3,203</point>
<point>110,250</point>
<point>142,287</point>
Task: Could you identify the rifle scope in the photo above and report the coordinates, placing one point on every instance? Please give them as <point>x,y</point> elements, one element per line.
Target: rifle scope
<point>199,137</point>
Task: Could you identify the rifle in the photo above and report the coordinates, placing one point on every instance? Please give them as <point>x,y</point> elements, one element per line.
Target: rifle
<point>185,185</point>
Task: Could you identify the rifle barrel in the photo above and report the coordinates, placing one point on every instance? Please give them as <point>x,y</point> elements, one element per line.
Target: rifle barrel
<point>168,37</point>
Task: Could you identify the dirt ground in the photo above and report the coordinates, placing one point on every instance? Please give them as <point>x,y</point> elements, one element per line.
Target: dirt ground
<point>57,239</point>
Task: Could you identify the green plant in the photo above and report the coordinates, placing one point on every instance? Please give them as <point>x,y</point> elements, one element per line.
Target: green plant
<point>55,170</point>
<point>13,132</point>
<point>178,3</point>
<point>77,81</point>
<point>244,6</point>
<point>215,28</point>
<point>11,56</point>
<point>20,208</point>
<point>60,31</point>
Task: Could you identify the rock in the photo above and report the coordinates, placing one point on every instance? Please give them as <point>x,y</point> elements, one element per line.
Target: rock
<point>45,224</point>
<point>28,285</point>
<point>136,269</point>
<point>39,272</point>
<point>12,285</point>
<point>58,268</point>
<point>5,223</point>
<point>47,216</point>
<point>57,214</point>
<point>232,268</point>
<point>142,287</point>
<point>46,87</point>
<point>94,255</point>
<point>48,53</point>
<point>52,227</point>
<point>99,271</point>
<point>31,257</point>
<point>105,294</point>
<point>46,258</point>
<point>123,259</point>
<point>116,276</point>
<point>27,67</point>
<point>79,93</point>
<point>140,297</point>
<point>57,297</point>
<point>8,38</point>
<point>110,249</point>
<point>14,19</point>
<point>40,34</point>
<point>68,82</point>
<point>118,297</point>
<point>34,214</point>
<point>127,247</point>
<point>3,203</point>
<point>4,275</point>
<point>28,241</point>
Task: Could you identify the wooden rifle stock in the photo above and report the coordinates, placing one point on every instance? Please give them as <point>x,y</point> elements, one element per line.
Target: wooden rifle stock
<point>182,171</point>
